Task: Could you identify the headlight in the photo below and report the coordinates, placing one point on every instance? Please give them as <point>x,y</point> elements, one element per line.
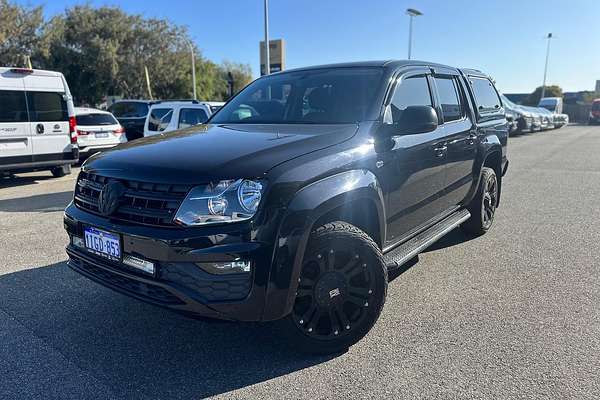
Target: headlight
<point>227,201</point>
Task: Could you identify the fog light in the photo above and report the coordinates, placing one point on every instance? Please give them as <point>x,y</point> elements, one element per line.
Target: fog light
<point>77,241</point>
<point>230,267</point>
<point>138,263</point>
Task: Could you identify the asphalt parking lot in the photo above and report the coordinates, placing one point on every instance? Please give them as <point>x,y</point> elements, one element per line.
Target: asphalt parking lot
<point>515,313</point>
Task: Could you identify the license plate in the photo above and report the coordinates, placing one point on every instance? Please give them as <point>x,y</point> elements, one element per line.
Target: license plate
<point>102,243</point>
<point>101,135</point>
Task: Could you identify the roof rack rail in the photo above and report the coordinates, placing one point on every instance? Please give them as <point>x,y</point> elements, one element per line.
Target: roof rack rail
<point>180,100</point>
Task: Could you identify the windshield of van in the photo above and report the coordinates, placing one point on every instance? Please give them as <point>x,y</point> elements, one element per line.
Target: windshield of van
<point>319,96</point>
<point>129,109</point>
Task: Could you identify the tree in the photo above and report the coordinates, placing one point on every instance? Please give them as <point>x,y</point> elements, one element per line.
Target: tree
<point>19,33</point>
<point>241,74</point>
<point>104,51</point>
<point>534,98</point>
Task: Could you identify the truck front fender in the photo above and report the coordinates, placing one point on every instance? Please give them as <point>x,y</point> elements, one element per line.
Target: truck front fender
<point>306,207</point>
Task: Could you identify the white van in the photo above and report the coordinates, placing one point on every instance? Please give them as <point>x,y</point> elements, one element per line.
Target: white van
<point>37,122</point>
<point>169,116</point>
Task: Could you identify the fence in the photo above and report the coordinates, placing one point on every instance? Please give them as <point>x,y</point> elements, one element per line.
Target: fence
<point>577,112</point>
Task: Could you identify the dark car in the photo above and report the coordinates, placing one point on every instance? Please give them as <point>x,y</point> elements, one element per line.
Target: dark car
<point>131,114</point>
<point>297,198</point>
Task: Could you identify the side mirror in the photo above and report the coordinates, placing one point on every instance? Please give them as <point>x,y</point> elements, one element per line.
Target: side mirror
<point>413,120</point>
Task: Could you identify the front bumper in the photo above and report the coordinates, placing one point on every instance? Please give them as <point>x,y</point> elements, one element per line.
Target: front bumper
<point>179,282</point>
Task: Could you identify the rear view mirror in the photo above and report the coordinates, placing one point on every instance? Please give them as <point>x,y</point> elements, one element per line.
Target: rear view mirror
<point>413,120</point>
<point>417,119</point>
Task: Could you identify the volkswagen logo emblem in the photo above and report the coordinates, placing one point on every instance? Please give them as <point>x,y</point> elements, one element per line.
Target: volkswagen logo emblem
<point>110,197</point>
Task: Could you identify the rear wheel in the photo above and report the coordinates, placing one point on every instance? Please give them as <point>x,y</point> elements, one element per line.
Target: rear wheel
<point>341,290</point>
<point>61,171</point>
<point>483,206</point>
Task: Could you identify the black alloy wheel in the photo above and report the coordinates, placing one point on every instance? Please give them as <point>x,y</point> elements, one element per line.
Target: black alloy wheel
<point>483,206</point>
<point>341,289</point>
<point>490,200</point>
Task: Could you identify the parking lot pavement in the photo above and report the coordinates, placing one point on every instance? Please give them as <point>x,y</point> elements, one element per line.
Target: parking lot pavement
<point>514,313</point>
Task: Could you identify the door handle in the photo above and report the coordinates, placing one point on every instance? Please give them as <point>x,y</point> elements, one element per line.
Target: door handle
<point>441,150</point>
<point>472,138</point>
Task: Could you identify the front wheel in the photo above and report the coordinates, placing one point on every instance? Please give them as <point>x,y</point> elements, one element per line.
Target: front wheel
<point>341,290</point>
<point>483,206</point>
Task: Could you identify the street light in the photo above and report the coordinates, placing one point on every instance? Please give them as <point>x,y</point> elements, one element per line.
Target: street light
<point>193,65</point>
<point>411,12</point>
<point>267,60</point>
<point>549,37</point>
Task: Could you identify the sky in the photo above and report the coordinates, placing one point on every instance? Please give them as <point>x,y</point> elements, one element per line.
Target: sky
<point>505,39</point>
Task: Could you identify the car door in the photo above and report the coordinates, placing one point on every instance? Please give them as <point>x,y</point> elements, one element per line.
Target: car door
<point>49,124</point>
<point>412,172</point>
<point>15,136</point>
<point>460,136</point>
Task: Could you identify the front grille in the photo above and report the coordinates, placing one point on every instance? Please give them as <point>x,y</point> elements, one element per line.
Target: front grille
<point>143,203</point>
<point>145,290</point>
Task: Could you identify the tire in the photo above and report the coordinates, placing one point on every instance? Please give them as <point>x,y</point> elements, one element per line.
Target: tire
<point>483,206</point>
<point>341,290</point>
<point>61,171</point>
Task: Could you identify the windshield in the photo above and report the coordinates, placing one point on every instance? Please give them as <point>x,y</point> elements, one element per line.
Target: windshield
<point>96,119</point>
<point>129,109</point>
<point>596,106</point>
<point>320,96</point>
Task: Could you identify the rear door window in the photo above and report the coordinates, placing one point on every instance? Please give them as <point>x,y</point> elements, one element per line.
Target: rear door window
<point>486,96</point>
<point>47,107</point>
<point>449,97</point>
<point>191,116</point>
<point>13,107</point>
<point>159,119</point>
<point>95,119</point>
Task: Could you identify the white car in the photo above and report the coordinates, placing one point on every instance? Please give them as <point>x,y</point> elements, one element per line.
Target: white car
<point>169,116</point>
<point>37,122</point>
<point>97,130</point>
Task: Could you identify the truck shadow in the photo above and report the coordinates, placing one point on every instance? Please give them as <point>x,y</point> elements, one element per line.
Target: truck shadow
<point>135,349</point>
<point>49,202</point>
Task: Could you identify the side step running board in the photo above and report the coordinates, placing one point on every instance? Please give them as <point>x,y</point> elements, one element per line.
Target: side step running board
<point>409,249</point>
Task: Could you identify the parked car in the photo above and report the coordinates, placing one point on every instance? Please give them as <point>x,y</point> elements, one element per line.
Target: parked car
<point>523,119</point>
<point>131,114</point>
<point>214,105</point>
<point>166,116</point>
<point>595,112</point>
<point>297,198</point>
<point>555,106</point>
<point>97,130</point>
<point>547,118</point>
<point>37,122</point>
<point>536,124</point>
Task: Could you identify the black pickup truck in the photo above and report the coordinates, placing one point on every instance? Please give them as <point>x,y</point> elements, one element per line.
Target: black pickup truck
<point>297,198</point>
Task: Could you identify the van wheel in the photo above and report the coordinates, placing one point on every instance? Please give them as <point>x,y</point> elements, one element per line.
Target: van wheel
<point>341,290</point>
<point>483,206</point>
<point>61,171</point>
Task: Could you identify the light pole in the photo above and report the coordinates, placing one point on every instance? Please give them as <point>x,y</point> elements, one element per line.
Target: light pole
<point>411,12</point>
<point>549,37</point>
<point>193,65</point>
<point>267,56</point>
